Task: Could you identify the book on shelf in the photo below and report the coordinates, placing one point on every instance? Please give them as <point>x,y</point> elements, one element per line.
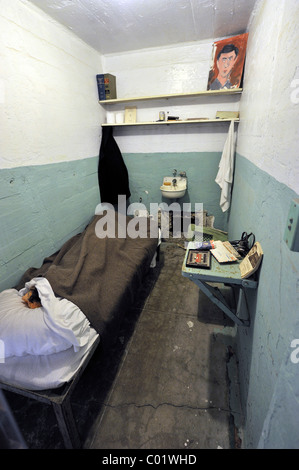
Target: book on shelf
<point>227,115</point>
<point>101,86</point>
<point>106,83</point>
<point>130,114</point>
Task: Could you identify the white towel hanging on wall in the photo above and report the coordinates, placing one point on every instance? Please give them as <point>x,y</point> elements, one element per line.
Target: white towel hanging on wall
<point>225,173</point>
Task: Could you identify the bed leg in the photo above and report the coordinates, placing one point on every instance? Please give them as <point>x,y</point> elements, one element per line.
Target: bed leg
<point>158,253</point>
<point>67,425</point>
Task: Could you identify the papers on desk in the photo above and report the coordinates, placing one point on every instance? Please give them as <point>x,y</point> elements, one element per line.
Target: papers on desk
<point>252,261</point>
<point>201,245</point>
<point>224,252</point>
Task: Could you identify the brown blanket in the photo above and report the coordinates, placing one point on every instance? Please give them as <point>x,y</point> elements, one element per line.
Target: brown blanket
<point>100,276</point>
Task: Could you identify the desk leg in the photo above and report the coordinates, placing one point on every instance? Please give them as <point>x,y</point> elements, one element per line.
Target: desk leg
<point>214,295</point>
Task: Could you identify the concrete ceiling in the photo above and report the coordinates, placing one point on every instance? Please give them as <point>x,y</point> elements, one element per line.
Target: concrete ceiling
<point>114,26</point>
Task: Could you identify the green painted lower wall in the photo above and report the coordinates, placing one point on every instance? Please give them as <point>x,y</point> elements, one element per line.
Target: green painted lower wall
<point>260,204</point>
<point>40,208</point>
<point>146,172</point>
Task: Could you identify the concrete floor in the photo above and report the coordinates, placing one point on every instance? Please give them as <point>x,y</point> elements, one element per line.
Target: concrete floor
<point>169,382</point>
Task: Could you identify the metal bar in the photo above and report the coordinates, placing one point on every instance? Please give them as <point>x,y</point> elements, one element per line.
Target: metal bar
<point>211,294</point>
<point>59,399</point>
<point>67,424</point>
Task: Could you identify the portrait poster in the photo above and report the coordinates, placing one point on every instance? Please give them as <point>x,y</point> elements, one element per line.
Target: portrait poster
<point>228,57</point>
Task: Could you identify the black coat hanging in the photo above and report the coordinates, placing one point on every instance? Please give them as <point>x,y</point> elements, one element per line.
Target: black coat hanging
<point>112,171</point>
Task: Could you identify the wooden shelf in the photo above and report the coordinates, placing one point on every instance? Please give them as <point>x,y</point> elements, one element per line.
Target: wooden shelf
<point>231,91</point>
<point>170,123</point>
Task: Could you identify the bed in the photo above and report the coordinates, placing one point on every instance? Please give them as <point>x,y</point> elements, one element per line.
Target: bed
<point>85,289</point>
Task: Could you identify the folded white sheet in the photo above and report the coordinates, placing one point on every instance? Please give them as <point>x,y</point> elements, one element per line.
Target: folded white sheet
<point>56,326</point>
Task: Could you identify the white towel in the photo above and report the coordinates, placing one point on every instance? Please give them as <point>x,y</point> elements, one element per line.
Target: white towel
<point>225,173</point>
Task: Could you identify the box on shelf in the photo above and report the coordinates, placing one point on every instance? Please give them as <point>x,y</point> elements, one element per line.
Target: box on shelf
<point>227,115</point>
<point>106,86</point>
<point>130,114</point>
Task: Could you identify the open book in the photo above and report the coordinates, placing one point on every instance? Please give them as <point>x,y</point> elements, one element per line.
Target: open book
<point>252,261</point>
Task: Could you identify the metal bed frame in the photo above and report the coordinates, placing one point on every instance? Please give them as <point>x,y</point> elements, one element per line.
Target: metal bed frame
<point>60,400</point>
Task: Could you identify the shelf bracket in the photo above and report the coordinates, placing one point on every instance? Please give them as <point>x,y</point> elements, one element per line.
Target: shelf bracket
<point>214,294</point>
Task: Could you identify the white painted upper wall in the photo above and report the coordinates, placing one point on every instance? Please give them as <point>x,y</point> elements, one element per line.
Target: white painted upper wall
<point>269,128</point>
<point>175,69</point>
<point>49,109</point>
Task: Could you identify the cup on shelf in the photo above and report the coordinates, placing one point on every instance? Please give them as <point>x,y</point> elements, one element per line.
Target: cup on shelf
<point>119,117</point>
<point>110,117</point>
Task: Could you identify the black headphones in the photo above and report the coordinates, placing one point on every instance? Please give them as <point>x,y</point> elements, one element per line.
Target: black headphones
<point>244,245</point>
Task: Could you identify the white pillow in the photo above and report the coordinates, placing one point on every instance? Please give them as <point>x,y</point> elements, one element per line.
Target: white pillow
<point>23,330</point>
<point>54,327</point>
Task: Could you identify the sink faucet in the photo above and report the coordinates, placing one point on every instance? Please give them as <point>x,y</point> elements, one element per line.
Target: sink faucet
<point>174,172</point>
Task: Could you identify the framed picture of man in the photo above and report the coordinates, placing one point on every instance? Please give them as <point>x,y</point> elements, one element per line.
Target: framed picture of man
<point>227,63</point>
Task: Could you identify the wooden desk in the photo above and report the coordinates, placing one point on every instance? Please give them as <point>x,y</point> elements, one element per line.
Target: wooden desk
<point>228,274</point>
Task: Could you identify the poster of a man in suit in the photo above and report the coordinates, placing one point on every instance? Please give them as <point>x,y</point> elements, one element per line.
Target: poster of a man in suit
<point>227,64</point>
